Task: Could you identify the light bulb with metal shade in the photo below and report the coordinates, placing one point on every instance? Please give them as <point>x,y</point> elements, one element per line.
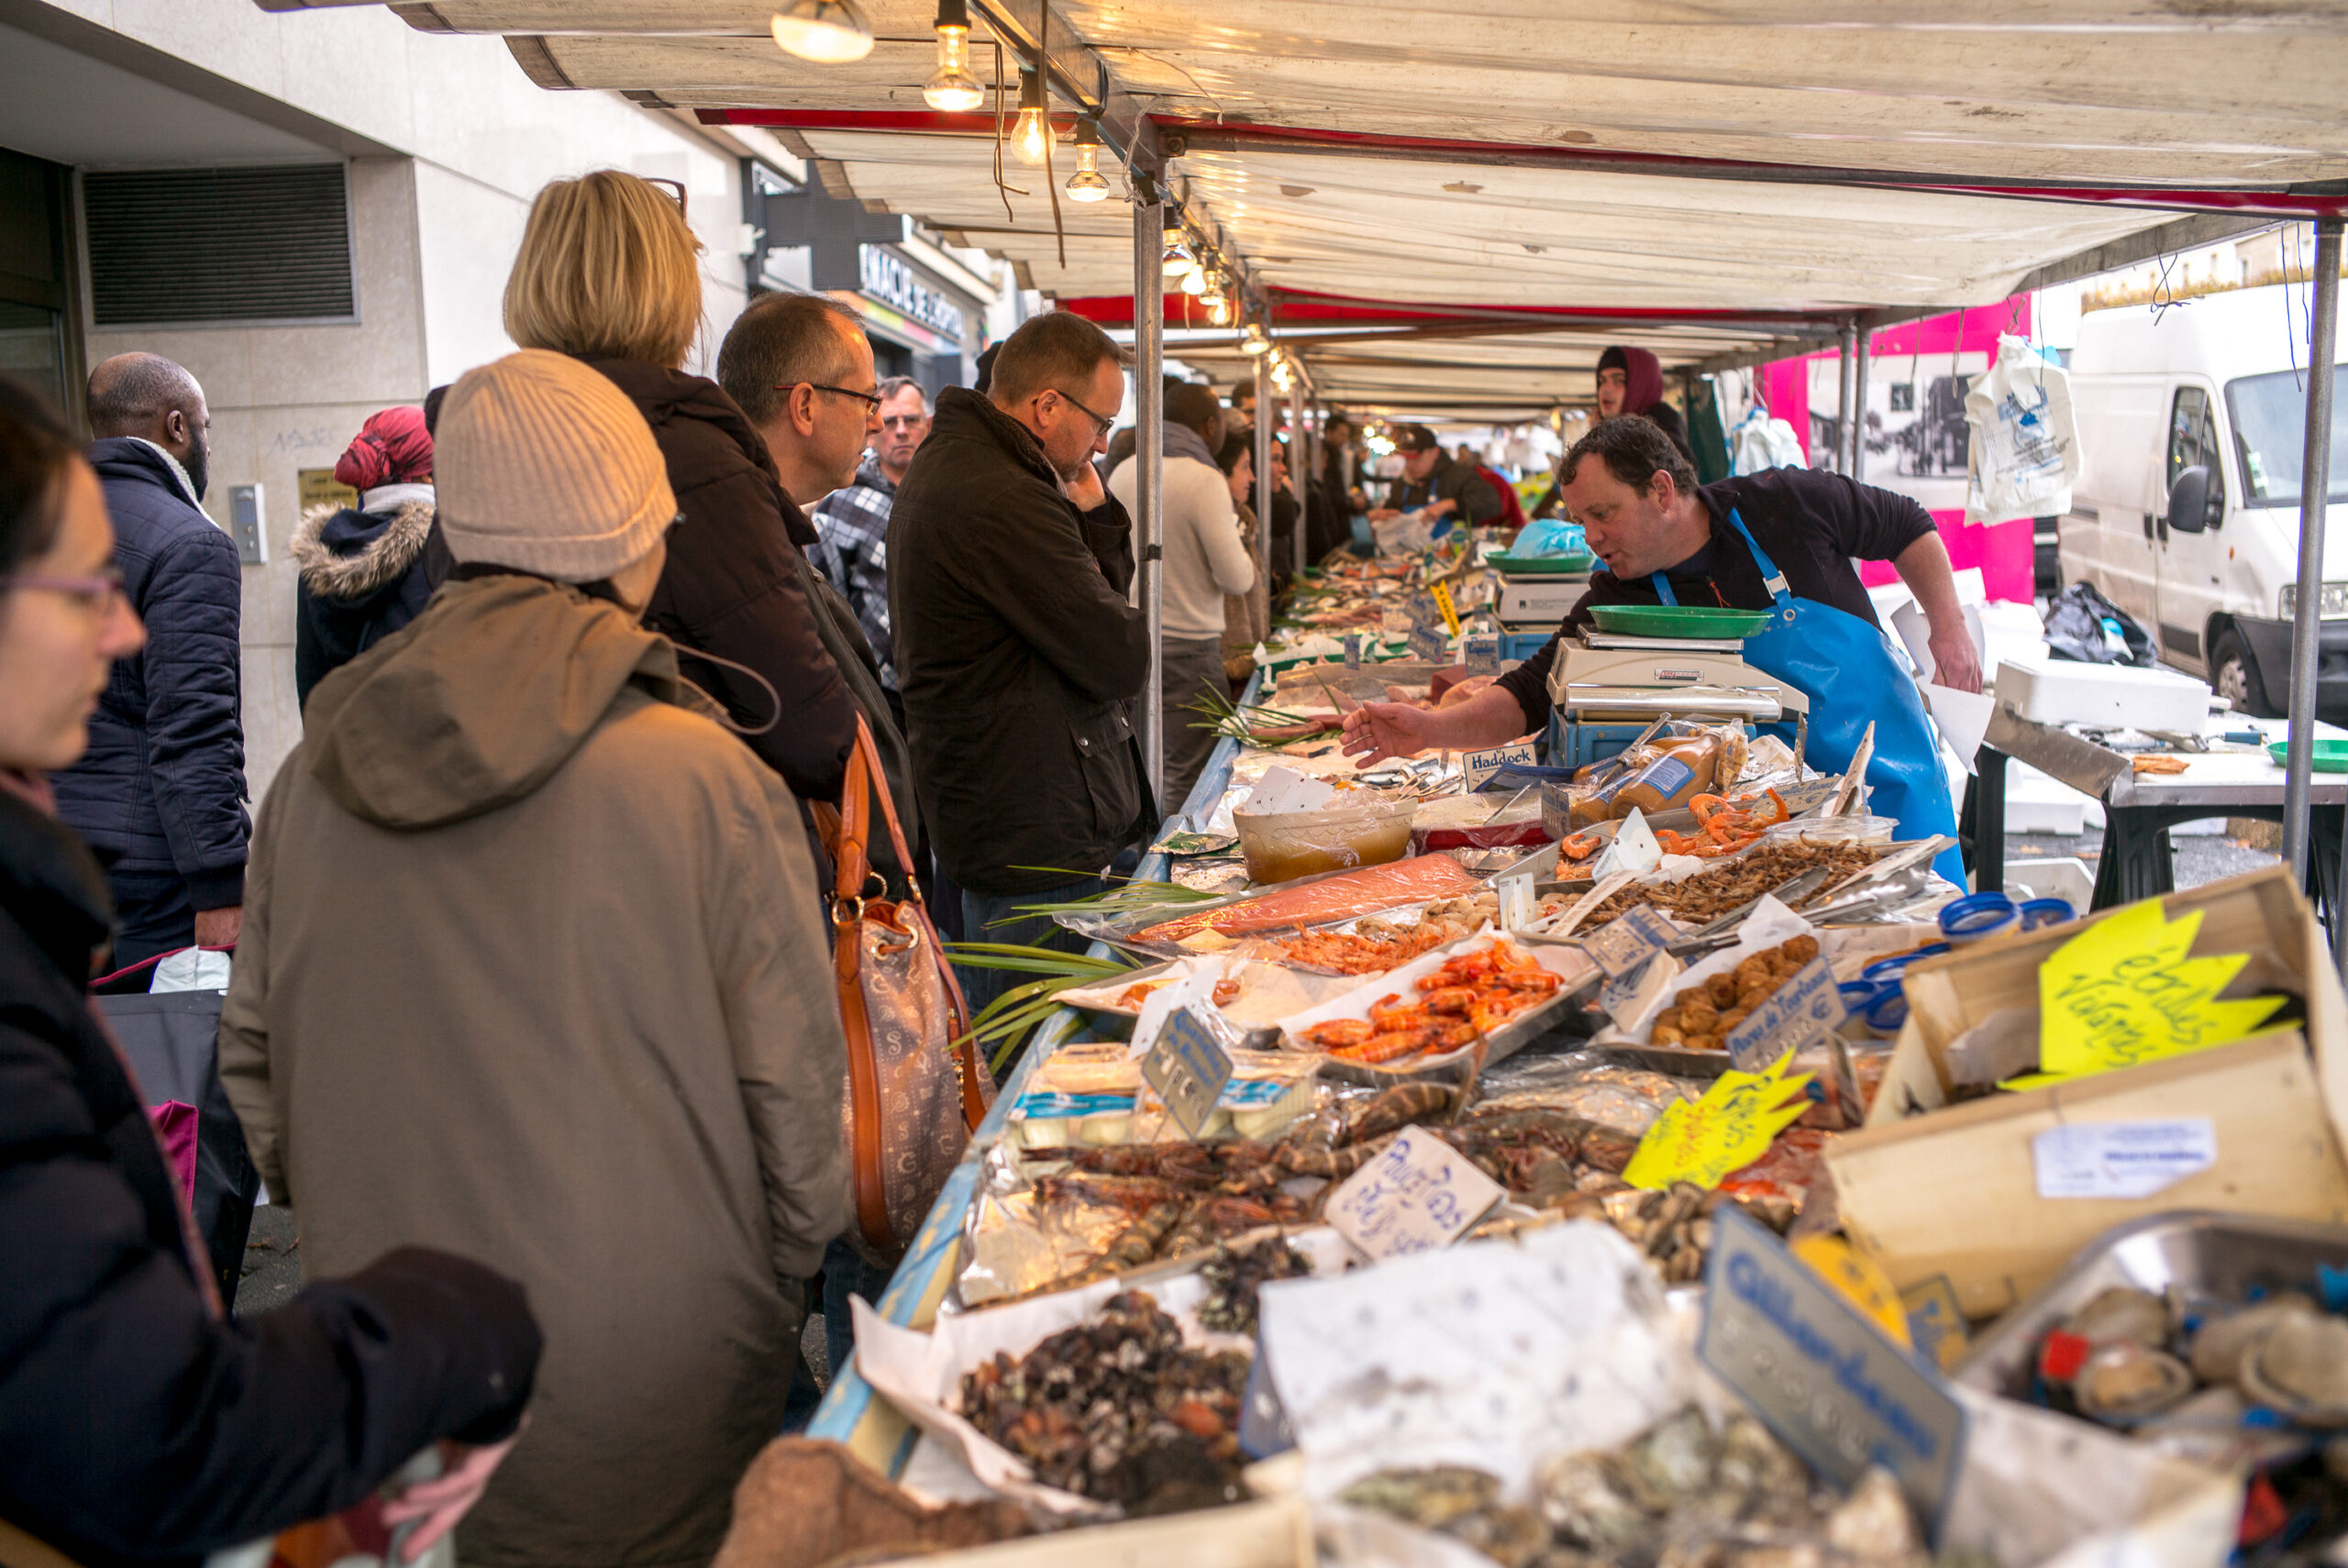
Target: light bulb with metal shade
<point>1177,252</point>
<point>830,32</point>
<point>1031,138</point>
<point>953,91</point>
<point>1253,342</point>
<point>1086,184</point>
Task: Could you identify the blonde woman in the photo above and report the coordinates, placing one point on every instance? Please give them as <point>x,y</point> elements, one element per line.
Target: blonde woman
<point>609,274</point>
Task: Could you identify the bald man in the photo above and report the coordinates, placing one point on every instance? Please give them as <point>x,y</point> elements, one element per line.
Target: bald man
<point>161,790</point>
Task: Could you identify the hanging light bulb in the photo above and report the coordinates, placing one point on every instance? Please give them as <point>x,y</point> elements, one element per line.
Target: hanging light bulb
<point>1086,184</point>
<point>1281,376</point>
<point>1219,311</point>
<point>1213,296</point>
<point>830,32</point>
<point>1253,341</point>
<point>1194,280</point>
<point>1177,250</point>
<point>953,91</point>
<point>1031,138</point>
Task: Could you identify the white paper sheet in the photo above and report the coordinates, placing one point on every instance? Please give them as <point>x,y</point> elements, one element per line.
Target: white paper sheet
<point>1963,718</point>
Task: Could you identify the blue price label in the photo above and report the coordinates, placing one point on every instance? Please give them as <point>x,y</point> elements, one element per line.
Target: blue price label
<point>1352,650</point>
<point>1809,1004</point>
<point>1482,655</point>
<point>1427,643</point>
<point>1188,1067</point>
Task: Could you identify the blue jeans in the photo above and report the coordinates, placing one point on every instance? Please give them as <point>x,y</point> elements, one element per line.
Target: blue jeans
<point>980,910</point>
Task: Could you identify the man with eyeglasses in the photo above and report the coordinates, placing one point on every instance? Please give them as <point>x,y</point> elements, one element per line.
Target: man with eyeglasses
<point>852,524</point>
<point>1018,655</point>
<point>160,793</point>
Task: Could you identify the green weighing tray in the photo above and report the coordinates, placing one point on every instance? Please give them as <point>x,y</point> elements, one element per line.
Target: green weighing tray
<point>1677,621</point>
<point>1544,565</point>
<point>2331,755</point>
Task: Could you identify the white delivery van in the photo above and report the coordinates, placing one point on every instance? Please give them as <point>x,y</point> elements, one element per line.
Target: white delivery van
<point>2187,510</point>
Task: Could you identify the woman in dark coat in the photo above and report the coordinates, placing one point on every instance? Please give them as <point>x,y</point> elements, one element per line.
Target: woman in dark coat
<point>1630,380</point>
<point>609,274</point>
<point>362,566</point>
<point>137,1423</point>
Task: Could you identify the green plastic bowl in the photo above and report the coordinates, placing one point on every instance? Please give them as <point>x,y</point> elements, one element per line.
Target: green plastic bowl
<point>1544,565</point>
<point>1677,621</point>
<point>2331,755</point>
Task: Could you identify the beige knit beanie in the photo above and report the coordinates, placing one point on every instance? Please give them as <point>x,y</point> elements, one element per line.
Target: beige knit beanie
<point>545,466</point>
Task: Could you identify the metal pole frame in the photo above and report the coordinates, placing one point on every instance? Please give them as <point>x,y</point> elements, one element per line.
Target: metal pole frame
<point>1845,394</point>
<point>1149,476</point>
<point>1264,464</point>
<point>1301,469</point>
<point>1863,337</point>
<point>2315,495</point>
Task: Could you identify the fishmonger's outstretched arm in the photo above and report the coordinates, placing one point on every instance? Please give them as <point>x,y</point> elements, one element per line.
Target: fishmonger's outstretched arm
<point>1379,730</point>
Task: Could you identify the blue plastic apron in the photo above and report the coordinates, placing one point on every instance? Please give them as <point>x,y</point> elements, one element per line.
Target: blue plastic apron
<point>1831,656</point>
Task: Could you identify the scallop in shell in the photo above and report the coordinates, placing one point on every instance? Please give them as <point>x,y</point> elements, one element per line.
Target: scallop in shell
<point>2124,1382</point>
<point>2300,1367</point>
<point>1432,1495</point>
<point>2219,1347</point>
<point>2122,1312</point>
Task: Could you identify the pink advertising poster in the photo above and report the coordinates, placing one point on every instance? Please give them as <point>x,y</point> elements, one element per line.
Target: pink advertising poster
<point>1914,422</point>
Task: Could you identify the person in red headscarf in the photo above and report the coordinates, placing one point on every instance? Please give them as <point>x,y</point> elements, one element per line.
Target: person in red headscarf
<point>362,566</point>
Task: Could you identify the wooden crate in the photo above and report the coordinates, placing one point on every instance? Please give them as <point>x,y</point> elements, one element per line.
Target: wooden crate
<point>1272,1533</point>
<point>1930,1189</point>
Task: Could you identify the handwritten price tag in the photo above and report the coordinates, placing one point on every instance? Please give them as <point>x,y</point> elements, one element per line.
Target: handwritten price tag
<point>1810,1004</point>
<point>1726,1130</point>
<point>1419,1194</point>
<point>1428,644</point>
<point>2124,991</point>
<point>1482,655</point>
<point>1627,942</point>
<point>1188,1067</point>
<point>1477,768</point>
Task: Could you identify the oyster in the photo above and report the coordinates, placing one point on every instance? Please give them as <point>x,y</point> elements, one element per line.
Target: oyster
<point>2300,1367</point>
<point>2122,1312</point>
<point>1591,1502</point>
<point>1758,1476</point>
<point>1512,1537</point>
<point>2123,1381</point>
<point>2219,1346</point>
<point>1433,1496</point>
<point>1874,1525</point>
<point>1674,1461</point>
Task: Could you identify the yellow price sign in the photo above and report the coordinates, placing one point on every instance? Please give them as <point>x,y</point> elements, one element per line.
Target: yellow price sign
<point>1733,1125</point>
<point>1442,592</point>
<point>2124,992</point>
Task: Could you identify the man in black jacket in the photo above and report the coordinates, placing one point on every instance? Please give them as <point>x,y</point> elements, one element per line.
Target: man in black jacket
<point>1016,652</point>
<point>161,793</point>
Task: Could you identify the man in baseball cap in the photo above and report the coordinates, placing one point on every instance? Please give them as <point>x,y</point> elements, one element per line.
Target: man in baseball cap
<point>1434,482</point>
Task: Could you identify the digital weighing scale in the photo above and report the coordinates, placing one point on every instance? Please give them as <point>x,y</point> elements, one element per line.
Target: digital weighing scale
<point>1528,604</point>
<point>1606,687</point>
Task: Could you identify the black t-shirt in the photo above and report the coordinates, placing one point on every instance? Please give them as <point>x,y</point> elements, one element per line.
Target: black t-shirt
<point>1811,524</point>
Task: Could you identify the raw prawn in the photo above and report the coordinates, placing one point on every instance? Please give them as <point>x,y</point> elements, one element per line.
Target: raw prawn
<point>1339,1032</point>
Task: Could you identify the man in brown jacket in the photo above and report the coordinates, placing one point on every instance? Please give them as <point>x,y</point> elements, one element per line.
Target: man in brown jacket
<point>532,971</point>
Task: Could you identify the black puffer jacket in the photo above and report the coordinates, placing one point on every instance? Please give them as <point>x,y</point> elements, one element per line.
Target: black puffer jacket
<point>363,578</point>
<point>731,587</point>
<point>1016,656</point>
<point>161,789</point>
<point>136,1427</point>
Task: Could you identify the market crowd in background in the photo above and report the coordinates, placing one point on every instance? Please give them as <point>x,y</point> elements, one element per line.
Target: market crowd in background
<point>532,1015</point>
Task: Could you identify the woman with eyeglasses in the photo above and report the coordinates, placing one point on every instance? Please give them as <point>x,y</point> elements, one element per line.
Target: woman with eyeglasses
<point>609,274</point>
<point>137,1423</point>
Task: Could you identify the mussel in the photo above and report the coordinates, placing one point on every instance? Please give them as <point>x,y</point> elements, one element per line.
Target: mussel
<point>2122,1382</point>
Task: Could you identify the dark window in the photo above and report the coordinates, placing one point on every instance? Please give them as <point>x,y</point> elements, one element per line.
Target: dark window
<point>2192,435</point>
<point>203,245</point>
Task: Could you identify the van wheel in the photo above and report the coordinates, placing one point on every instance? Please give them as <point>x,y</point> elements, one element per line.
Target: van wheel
<point>2235,677</point>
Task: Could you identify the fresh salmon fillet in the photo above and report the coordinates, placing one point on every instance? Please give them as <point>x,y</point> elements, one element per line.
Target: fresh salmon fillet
<point>1341,897</point>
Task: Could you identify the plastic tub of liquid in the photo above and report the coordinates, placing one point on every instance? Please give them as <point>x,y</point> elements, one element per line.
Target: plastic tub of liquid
<point>1289,845</point>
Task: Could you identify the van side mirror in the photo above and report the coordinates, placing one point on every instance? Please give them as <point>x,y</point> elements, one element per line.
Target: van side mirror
<point>2195,502</point>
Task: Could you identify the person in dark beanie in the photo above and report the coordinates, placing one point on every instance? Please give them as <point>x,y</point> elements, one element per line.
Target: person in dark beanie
<point>362,566</point>
<point>139,1425</point>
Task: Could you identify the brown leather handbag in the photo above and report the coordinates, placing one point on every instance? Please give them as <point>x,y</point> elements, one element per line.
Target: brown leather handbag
<point>913,1099</point>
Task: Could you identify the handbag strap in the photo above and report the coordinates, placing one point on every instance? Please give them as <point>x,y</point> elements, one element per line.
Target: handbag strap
<point>867,1185</point>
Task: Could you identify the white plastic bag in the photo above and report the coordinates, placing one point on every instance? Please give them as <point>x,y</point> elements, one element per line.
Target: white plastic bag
<point>2024,445</point>
<point>192,969</point>
<point>1760,441</point>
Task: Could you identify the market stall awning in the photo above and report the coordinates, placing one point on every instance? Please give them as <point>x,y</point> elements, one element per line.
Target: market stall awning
<point>1747,174</point>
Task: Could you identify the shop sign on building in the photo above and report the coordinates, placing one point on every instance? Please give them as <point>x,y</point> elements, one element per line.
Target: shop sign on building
<point>884,276</point>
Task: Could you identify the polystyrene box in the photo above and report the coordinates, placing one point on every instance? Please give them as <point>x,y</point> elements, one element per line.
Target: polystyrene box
<point>2108,695</point>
